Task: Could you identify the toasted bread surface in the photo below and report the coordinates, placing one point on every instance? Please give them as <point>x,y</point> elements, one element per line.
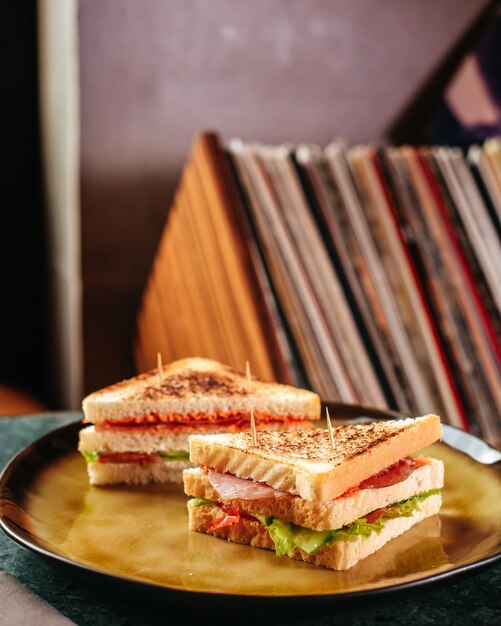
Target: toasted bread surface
<point>339,556</point>
<point>304,462</point>
<point>197,387</point>
<point>323,515</point>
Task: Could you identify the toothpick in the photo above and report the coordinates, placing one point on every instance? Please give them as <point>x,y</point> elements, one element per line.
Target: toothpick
<point>253,428</point>
<point>331,432</point>
<point>249,389</point>
<point>159,368</point>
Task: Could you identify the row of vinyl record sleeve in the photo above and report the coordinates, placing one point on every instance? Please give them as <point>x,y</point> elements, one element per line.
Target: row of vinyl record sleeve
<point>386,264</point>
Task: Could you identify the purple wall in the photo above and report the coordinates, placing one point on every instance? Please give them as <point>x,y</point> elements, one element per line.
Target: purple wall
<point>155,72</point>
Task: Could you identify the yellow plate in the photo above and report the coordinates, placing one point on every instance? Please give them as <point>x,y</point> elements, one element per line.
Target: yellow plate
<point>141,534</point>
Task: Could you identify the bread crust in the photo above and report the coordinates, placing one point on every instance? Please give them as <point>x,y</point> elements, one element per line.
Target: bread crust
<point>194,387</point>
<point>328,514</point>
<point>304,463</point>
<point>135,473</point>
<point>340,556</point>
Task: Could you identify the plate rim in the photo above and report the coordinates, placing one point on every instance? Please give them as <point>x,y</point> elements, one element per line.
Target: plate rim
<point>9,528</point>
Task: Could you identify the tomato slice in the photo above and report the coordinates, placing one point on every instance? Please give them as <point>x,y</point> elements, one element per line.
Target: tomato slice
<point>394,474</point>
<point>231,515</point>
<point>129,457</point>
<point>375,515</point>
<point>233,420</point>
<point>391,475</point>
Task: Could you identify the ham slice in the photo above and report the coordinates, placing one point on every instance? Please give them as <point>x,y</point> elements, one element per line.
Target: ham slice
<point>229,486</point>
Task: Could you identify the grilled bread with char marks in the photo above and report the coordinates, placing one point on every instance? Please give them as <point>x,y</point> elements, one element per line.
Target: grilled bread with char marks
<point>303,463</point>
<point>197,389</point>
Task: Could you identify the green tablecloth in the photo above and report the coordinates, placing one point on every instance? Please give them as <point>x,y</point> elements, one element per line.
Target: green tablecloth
<point>475,599</point>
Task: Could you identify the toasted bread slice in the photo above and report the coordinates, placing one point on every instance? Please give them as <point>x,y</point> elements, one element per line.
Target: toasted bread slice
<point>304,463</point>
<point>198,389</point>
<point>131,440</point>
<point>136,473</point>
<point>150,440</point>
<point>339,556</point>
<point>327,514</point>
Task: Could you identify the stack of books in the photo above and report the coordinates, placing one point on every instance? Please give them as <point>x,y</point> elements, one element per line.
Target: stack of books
<point>371,275</point>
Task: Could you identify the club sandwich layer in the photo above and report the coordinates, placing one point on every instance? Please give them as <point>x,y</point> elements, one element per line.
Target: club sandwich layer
<point>326,514</point>
<point>147,440</point>
<point>341,555</point>
<point>134,457</point>
<point>306,464</point>
<point>138,452</point>
<point>197,389</point>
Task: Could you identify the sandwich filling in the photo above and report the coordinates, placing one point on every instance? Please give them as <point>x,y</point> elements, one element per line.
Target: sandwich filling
<point>287,536</point>
<point>397,491</point>
<point>234,421</point>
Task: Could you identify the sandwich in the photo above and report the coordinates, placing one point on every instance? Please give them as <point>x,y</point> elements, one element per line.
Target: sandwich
<point>139,427</point>
<point>326,501</point>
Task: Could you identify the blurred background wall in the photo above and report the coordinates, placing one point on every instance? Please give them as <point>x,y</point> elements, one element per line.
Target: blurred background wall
<point>149,76</point>
<point>153,73</point>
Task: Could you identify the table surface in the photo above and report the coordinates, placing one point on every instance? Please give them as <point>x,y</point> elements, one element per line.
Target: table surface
<point>475,599</point>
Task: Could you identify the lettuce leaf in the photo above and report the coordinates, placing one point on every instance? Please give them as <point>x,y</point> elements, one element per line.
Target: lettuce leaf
<point>264,519</point>
<point>91,457</point>
<point>174,455</point>
<point>201,501</point>
<point>287,536</point>
<point>282,534</point>
<point>311,541</point>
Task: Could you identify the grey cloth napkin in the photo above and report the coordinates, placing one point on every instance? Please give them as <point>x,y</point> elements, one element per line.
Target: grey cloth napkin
<point>18,605</point>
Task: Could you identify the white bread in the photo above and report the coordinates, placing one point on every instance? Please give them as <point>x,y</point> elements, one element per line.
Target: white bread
<point>304,463</point>
<point>198,387</point>
<point>146,440</point>
<point>340,556</point>
<point>130,440</point>
<point>136,473</point>
<point>328,514</point>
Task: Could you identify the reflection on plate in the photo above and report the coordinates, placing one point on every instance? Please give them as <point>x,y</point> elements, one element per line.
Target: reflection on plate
<point>141,534</point>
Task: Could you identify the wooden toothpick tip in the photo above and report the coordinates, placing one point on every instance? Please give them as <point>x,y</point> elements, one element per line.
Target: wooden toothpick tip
<point>253,428</point>
<point>159,368</point>
<point>329,426</point>
<point>249,389</point>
